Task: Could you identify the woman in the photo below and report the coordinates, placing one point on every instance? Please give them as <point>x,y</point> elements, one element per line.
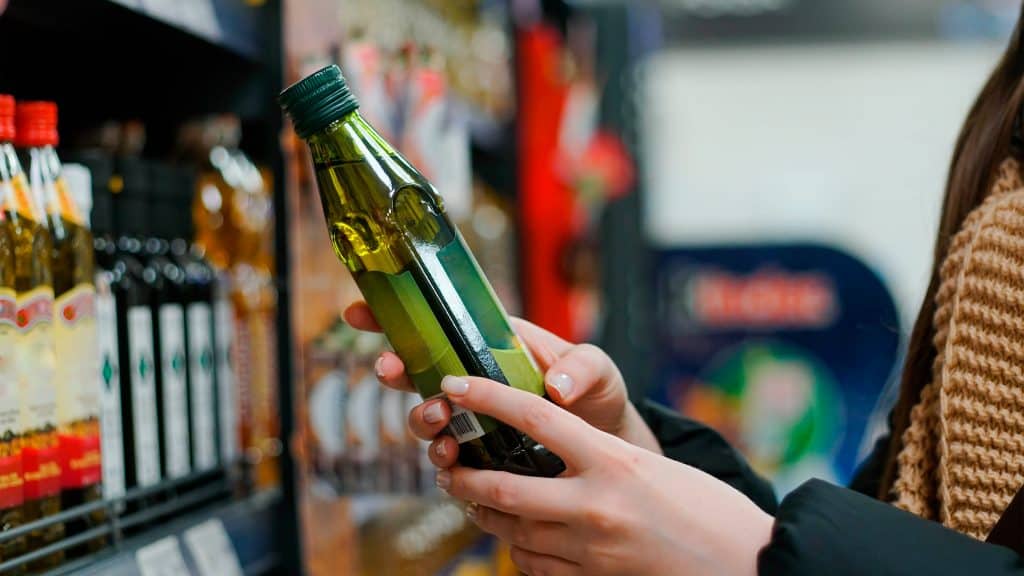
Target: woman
<point>648,492</point>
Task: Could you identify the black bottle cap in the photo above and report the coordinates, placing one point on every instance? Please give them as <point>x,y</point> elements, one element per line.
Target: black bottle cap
<point>318,100</point>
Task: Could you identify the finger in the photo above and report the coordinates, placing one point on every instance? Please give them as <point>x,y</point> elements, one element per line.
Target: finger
<point>546,347</point>
<point>549,538</point>
<point>533,564</point>
<point>565,434</point>
<point>391,372</point>
<point>545,499</point>
<point>444,452</point>
<point>358,315</point>
<point>583,371</point>
<point>428,419</point>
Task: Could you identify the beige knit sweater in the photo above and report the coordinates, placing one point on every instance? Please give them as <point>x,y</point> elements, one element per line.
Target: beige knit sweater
<point>962,459</point>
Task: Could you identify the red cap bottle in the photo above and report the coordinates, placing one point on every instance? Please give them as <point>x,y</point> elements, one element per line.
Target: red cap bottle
<point>6,118</point>
<point>36,124</point>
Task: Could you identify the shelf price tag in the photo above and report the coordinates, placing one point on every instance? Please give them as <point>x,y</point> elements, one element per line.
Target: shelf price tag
<point>212,549</point>
<point>162,558</point>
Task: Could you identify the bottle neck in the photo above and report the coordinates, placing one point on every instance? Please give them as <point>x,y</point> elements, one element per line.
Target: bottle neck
<point>350,138</point>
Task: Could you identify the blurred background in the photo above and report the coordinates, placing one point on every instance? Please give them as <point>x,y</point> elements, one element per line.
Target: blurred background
<point>736,199</point>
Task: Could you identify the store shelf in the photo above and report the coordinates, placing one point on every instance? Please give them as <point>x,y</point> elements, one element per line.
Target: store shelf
<point>231,26</point>
<point>248,525</point>
<point>160,62</point>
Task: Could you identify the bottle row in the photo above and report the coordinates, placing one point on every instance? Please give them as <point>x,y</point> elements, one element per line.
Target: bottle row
<point>137,311</point>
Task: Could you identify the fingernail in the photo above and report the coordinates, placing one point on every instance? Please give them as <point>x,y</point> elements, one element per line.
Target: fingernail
<point>378,367</point>
<point>433,414</point>
<point>471,510</point>
<point>455,385</point>
<point>444,480</point>
<point>564,384</point>
<point>440,449</point>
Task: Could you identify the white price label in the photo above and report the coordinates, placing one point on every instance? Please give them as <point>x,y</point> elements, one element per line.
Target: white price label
<point>162,558</point>
<point>212,549</point>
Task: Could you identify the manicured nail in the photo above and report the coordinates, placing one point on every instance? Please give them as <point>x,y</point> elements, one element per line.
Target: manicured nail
<point>433,414</point>
<point>378,367</point>
<point>440,449</point>
<point>455,386</point>
<point>564,384</point>
<point>444,480</point>
<point>472,509</point>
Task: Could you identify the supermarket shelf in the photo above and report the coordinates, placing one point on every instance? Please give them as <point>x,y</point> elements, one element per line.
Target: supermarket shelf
<point>147,515</point>
<point>229,25</point>
<point>248,524</point>
<point>101,60</point>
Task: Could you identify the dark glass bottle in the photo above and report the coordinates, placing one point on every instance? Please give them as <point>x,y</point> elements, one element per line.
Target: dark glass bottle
<point>130,282</point>
<point>167,302</point>
<point>200,279</point>
<point>388,225</point>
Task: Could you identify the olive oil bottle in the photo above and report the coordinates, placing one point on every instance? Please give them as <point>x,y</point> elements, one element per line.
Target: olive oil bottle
<point>74,326</point>
<point>11,483</point>
<point>167,301</point>
<point>38,362</point>
<point>131,287</point>
<point>388,225</point>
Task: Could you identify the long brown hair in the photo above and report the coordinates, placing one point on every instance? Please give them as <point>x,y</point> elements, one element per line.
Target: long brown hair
<point>987,137</point>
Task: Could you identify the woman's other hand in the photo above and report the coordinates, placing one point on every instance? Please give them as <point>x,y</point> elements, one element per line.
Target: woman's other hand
<point>580,378</point>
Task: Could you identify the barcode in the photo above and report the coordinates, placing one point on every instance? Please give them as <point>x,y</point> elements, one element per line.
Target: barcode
<point>464,426</point>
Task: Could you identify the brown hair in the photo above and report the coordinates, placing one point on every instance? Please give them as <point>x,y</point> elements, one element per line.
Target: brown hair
<point>987,137</point>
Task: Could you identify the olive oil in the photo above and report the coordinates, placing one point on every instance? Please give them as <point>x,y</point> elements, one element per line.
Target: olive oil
<point>37,360</point>
<point>11,482</point>
<point>388,225</point>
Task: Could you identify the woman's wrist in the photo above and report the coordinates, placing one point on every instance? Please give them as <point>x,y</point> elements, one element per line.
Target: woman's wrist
<point>635,430</point>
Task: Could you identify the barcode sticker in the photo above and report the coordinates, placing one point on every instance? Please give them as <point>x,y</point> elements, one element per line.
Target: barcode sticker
<point>464,425</point>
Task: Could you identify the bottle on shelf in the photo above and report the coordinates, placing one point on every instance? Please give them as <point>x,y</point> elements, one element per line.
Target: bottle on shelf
<point>13,189</point>
<point>36,126</point>
<point>96,200</point>
<point>131,283</point>
<point>167,306</point>
<point>196,290</point>
<point>388,225</point>
<point>79,407</point>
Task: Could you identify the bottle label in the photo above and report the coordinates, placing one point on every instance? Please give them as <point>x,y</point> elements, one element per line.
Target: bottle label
<point>35,365</point>
<point>78,403</point>
<point>201,368</point>
<point>175,389</point>
<point>227,401</point>
<point>143,389</point>
<point>464,425</point>
<point>111,434</point>
<point>10,428</point>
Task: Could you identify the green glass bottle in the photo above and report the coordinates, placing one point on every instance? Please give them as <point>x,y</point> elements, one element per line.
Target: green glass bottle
<point>388,225</point>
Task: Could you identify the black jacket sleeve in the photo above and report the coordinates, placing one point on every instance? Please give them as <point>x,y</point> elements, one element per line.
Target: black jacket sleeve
<point>824,529</point>
<point>697,445</point>
<point>869,474</point>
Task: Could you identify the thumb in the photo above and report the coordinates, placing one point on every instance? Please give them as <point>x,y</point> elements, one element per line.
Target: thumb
<point>585,370</point>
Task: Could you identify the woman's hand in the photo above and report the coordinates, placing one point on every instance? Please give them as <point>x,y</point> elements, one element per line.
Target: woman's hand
<point>618,509</point>
<point>580,378</point>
